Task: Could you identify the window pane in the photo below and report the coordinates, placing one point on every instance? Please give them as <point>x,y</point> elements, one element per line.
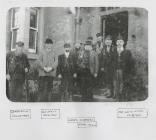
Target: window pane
<point>15,35</point>
<point>33,18</point>
<point>32,38</point>
<point>16,18</point>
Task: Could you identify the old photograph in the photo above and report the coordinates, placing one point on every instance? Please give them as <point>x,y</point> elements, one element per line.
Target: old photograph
<point>77,54</point>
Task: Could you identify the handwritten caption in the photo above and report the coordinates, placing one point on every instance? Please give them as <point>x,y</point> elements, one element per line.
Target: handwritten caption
<point>19,114</point>
<point>132,113</point>
<point>50,113</point>
<point>83,122</point>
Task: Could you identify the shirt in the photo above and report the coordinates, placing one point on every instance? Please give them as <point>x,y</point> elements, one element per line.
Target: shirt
<point>47,59</point>
<point>66,54</point>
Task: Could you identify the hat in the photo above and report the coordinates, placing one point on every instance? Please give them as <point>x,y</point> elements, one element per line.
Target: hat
<point>20,43</point>
<point>48,41</point>
<point>90,38</point>
<point>67,45</point>
<point>120,37</point>
<point>88,43</point>
<point>108,37</point>
<point>98,34</point>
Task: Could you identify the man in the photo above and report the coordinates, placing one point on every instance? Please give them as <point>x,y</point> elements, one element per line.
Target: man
<point>90,38</point>
<point>107,65</point>
<point>99,44</point>
<point>88,66</point>
<point>124,68</point>
<point>75,54</point>
<point>16,70</point>
<point>94,66</point>
<point>66,71</point>
<point>84,69</point>
<point>47,70</point>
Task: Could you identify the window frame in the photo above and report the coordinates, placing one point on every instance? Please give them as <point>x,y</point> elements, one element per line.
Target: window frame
<point>34,29</point>
<point>13,28</point>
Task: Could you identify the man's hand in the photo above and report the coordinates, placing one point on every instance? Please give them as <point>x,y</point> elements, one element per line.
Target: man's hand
<point>59,76</point>
<point>102,69</point>
<point>8,77</point>
<point>95,75</point>
<point>26,70</point>
<point>49,69</point>
<point>75,75</point>
<point>45,69</point>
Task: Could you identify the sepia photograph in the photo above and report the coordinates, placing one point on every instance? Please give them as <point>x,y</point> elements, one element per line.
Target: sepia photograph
<point>77,54</point>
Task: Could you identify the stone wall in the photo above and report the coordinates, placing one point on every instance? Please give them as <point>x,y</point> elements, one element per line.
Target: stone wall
<point>59,26</point>
<point>137,33</point>
<point>138,41</point>
<point>90,23</point>
<point>58,23</point>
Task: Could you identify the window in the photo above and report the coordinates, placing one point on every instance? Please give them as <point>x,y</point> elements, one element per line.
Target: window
<point>33,29</point>
<point>15,25</point>
<point>24,27</point>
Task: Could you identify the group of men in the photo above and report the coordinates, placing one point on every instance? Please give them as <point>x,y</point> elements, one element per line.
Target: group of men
<point>86,65</point>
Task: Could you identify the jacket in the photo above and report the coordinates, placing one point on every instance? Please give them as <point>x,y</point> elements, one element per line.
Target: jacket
<point>47,59</point>
<point>16,64</point>
<point>125,62</point>
<point>90,61</point>
<point>66,65</point>
<point>94,62</point>
<point>107,60</point>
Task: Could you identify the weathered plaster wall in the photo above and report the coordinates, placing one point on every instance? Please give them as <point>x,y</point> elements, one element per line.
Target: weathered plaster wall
<point>137,33</point>
<point>59,26</point>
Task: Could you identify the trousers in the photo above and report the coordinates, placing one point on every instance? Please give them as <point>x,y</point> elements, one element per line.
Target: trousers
<point>45,88</point>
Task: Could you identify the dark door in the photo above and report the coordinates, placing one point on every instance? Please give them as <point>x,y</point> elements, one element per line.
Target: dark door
<point>115,24</point>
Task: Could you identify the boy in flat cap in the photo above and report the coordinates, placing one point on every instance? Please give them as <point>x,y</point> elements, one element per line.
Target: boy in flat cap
<point>107,65</point>
<point>17,66</point>
<point>124,69</point>
<point>66,71</point>
<point>47,70</point>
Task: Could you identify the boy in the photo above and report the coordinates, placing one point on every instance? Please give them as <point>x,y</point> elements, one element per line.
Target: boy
<point>17,66</point>
<point>47,70</point>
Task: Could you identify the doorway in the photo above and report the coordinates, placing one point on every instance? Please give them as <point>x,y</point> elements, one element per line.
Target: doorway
<point>115,24</point>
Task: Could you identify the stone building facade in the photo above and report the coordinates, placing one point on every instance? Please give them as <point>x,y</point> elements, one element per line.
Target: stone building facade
<point>65,24</point>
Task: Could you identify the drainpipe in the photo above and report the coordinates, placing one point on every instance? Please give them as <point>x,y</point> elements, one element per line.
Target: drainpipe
<point>77,24</point>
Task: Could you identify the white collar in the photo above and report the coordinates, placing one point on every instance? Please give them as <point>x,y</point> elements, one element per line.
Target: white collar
<point>67,54</point>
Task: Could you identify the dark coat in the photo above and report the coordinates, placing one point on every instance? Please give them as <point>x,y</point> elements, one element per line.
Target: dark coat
<point>75,56</point>
<point>15,65</point>
<point>125,62</point>
<point>66,65</point>
<point>89,61</point>
<point>107,60</point>
<point>94,62</point>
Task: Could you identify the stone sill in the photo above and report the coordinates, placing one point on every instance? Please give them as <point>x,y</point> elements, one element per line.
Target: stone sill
<point>32,56</point>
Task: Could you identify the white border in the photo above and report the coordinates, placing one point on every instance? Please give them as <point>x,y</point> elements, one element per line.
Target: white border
<point>109,126</point>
